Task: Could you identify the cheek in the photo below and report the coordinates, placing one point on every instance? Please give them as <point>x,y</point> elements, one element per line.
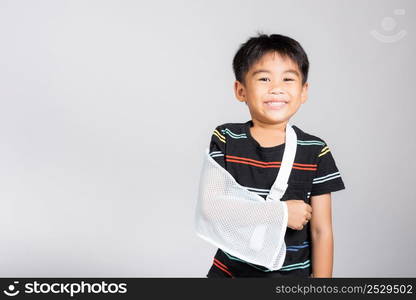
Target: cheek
<point>259,90</point>
<point>295,92</point>
<point>255,93</point>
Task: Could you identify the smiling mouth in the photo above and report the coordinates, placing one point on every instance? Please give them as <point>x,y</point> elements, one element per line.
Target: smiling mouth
<point>275,104</point>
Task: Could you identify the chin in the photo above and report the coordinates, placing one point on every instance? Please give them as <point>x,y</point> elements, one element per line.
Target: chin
<point>274,120</point>
<point>276,117</point>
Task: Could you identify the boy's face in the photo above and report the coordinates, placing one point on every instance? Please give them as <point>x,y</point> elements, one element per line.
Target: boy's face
<point>273,89</point>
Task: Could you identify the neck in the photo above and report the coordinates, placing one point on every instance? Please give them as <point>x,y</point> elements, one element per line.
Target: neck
<point>270,128</point>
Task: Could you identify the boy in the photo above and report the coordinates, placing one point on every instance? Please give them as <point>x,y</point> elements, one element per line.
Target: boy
<point>271,79</point>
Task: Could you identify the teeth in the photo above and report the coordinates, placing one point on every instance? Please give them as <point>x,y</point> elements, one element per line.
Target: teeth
<point>276,103</point>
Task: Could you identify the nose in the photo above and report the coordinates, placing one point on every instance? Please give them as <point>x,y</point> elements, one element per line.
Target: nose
<point>276,89</point>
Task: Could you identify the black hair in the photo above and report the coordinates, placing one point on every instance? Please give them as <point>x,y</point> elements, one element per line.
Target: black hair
<point>254,49</point>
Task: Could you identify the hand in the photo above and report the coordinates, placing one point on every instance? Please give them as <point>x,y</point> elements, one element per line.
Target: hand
<point>299,214</point>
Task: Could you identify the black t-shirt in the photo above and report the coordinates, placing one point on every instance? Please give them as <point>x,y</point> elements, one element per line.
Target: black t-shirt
<point>314,172</point>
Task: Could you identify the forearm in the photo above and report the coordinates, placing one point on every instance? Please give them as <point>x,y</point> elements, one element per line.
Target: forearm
<point>322,254</point>
<point>219,209</point>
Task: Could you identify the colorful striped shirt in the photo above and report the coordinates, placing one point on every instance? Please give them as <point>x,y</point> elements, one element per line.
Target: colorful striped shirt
<point>314,172</point>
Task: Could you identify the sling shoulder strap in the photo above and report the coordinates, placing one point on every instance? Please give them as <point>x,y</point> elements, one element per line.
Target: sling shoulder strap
<point>280,185</point>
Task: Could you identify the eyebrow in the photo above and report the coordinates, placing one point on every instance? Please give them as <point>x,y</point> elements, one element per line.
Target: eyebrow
<point>267,71</point>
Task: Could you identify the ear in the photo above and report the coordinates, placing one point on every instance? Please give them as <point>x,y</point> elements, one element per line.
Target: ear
<point>239,91</point>
<point>304,93</point>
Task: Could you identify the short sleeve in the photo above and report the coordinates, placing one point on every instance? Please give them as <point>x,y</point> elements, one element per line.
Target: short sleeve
<point>327,178</point>
<point>217,146</point>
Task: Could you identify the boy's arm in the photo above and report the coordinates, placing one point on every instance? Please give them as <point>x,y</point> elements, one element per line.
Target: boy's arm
<point>322,238</point>
<point>297,210</point>
<point>232,208</point>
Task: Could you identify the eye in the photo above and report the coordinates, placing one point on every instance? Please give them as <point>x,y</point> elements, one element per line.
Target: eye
<point>264,79</point>
<point>288,79</point>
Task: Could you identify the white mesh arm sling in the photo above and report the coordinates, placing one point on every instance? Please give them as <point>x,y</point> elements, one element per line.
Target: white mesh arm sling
<point>241,222</point>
